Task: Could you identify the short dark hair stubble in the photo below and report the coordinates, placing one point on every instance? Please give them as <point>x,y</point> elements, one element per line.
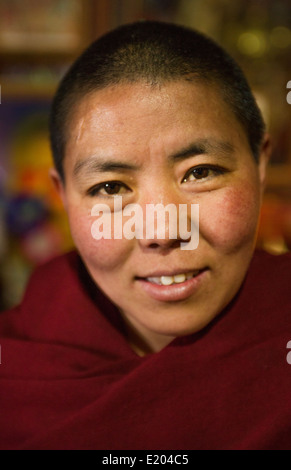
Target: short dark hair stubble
<point>156,53</point>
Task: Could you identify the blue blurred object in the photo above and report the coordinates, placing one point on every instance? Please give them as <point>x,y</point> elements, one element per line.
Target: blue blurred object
<point>24,213</point>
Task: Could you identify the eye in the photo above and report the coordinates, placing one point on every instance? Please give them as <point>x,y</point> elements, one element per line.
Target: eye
<point>108,188</point>
<point>202,172</point>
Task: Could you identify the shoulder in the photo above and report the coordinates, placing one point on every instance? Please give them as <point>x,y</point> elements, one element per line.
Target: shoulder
<point>61,304</point>
<point>63,281</point>
<point>271,272</point>
<point>63,264</point>
<point>270,269</point>
<point>49,279</point>
<point>263,259</point>
<point>267,286</point>
<point>53,288</point>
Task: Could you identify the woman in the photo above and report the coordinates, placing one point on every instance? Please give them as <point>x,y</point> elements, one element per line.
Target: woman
<point>134,342</point>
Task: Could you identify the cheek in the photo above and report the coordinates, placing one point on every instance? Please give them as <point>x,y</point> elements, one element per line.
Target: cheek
<point>229,219</point>
<point>101,254</point>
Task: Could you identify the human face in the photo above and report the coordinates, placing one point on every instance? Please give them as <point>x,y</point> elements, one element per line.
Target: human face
<point>179,144</point>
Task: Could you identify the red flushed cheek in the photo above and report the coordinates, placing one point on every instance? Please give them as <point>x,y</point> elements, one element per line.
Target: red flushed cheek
<point>104,254</point>
<point>229,218</point>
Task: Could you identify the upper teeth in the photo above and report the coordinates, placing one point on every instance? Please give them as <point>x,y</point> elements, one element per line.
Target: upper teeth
<point>169,280</point>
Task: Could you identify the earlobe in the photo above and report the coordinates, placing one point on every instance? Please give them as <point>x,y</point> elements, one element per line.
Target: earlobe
<point>265,155</point>
<point>59,185</point>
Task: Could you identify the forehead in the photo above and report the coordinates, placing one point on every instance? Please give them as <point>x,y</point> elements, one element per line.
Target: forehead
<point>139,116</point>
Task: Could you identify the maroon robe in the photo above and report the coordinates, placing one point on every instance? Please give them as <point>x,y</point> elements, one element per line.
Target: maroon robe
<point>69,380</point>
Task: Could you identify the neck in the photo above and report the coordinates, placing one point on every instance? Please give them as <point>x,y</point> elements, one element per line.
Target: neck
<point>143,342</point>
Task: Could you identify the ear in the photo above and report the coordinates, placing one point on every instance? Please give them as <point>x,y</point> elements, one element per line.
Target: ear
<point>59,185</point>
<point>264,157</point>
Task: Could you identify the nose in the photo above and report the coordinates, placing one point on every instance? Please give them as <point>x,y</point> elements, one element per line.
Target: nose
<point>160,226</point>
<point>162,222</point>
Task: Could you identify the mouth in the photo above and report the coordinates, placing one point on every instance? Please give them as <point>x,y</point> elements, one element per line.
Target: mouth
<point>168,280</point>
<point>167,287</point>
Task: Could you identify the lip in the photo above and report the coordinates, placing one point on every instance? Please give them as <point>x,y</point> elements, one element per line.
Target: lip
<point>174,292</point>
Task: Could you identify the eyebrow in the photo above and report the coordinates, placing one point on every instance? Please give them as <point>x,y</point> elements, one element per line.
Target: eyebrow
<point>204,147</point>
<point>98,164</point>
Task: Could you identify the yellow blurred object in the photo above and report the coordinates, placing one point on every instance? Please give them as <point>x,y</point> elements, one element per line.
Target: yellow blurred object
<point>252,43</point>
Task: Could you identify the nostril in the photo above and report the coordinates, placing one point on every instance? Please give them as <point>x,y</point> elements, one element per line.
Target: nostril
<point>167,244</point>
<point>154,245</point>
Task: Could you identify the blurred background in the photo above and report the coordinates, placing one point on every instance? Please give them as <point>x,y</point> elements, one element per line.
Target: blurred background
<point>40,39</point>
